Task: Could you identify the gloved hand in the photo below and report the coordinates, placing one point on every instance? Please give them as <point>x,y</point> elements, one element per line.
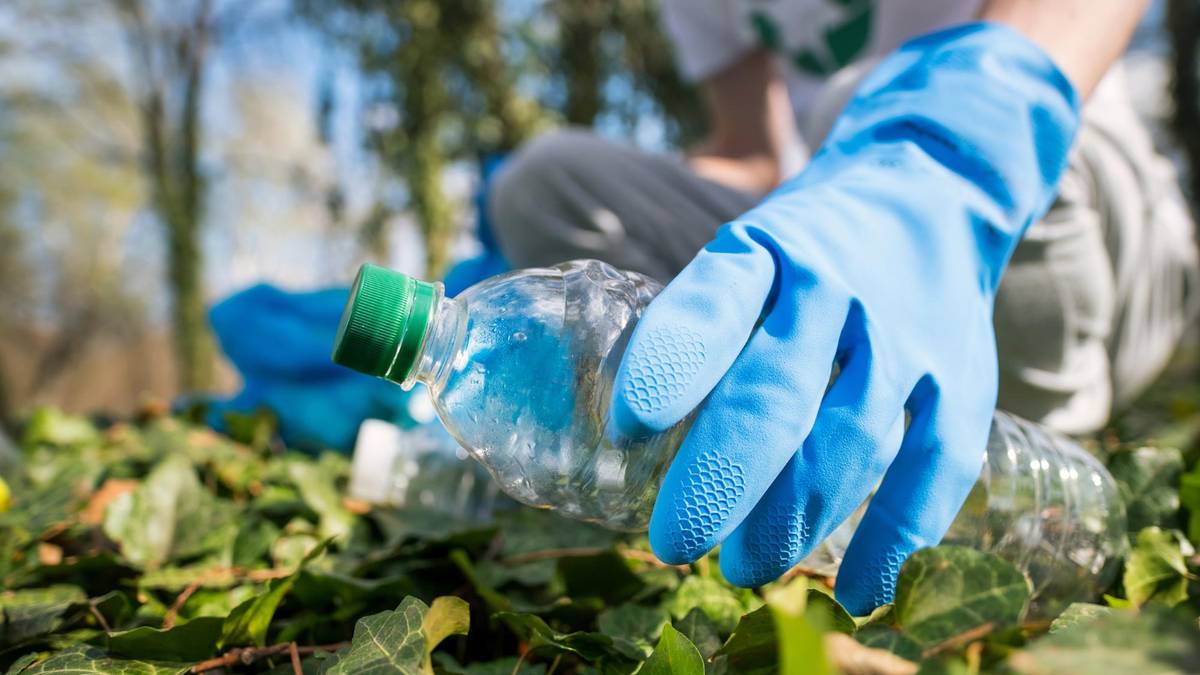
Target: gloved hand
<point>882,257</point>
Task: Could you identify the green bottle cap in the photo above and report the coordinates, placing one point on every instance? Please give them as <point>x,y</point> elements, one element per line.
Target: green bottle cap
<point>384,323</point>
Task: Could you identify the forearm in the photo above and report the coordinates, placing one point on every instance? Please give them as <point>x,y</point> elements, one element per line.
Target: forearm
<point>1083,37</point>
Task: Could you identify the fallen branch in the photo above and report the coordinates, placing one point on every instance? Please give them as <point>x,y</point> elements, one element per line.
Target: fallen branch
<point>247,655</point>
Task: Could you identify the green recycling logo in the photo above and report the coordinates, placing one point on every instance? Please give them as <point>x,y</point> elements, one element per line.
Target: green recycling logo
<point>829,34</point>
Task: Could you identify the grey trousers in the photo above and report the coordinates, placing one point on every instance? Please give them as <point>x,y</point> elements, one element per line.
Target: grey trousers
<point>1091,308</point>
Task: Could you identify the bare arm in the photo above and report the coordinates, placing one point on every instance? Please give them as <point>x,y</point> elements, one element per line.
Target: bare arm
<point>752,125</point>
<point>752,120</point>
<point>1084,37</point>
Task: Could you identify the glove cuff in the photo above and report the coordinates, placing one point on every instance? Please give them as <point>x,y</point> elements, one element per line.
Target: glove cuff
<point>985,103</point>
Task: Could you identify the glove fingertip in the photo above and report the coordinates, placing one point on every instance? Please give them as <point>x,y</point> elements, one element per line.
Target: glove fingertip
<point>861,588</point>
<point>672,549</point>
<point>657,385</point>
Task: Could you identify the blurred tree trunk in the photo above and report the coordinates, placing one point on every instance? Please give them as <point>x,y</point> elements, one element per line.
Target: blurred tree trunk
<point>581,25</point>
<point>1183,25</point>
<point>515,118</point>
<point>170,69</point>
<point>422,158</point>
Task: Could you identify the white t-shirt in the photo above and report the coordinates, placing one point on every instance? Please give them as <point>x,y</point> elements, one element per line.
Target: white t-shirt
<point>812,39</point>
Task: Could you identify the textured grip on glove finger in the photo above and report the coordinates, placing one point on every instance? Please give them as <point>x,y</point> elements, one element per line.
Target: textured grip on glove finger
<point>771,546</point>
<point>662,369</point>
<point>875,584</point>
<point>702,505</point>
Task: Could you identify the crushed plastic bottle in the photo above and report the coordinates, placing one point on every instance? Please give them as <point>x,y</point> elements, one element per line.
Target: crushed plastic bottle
<point>521,368</point>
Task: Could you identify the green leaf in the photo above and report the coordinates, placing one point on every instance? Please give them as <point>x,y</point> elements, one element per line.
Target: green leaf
<point>879,636</point>
<point>1155,641</point>
<point>507,666</point>
<point>248,623</point>
<point>1156,568</point>
<point>1148,480</point>
<point>195,640</point>
<point>35,611</point>
<point>605,575</point>
<point>386,643</point>
<point>1189,496</point>
<point>674,655</point>
<point>801,648</point>
<point>86,660</point>
<point>700,630</point>
<point>253,542</point>
<point>948,590</point>
<point>752,646</point>
<point>720,601</point>
<point>824,611</point>
<point>634,628</point>
<point>540,636</point>
<point>169,517</point>
<point>319,490</point>
<point>1078,613</point>
<point>49,426</point>
<point>447,616</point>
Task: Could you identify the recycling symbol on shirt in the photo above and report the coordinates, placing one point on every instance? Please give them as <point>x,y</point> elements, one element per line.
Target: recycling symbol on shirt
<point>818,37</point>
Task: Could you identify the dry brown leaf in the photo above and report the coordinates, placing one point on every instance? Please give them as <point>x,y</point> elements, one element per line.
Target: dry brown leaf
<point>109,492</point>
<point>49,554</point>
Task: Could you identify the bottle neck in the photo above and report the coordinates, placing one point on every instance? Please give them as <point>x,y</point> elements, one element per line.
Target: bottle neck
<point>443,341</point>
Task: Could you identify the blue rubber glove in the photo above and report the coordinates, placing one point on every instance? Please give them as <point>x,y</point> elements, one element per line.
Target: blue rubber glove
<point>883,257</point>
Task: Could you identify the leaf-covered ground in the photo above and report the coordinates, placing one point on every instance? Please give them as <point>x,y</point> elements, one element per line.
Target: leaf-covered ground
<point>153,546</point>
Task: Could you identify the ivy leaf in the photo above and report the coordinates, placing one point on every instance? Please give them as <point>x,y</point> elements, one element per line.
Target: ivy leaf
<point>752,646</point>
<point>83,659</point>
<point>1157,569</point>
<point>633,628</point>
<point>539,635</point>
<point>878,636</point>
<point>674,655</point>
<point>447,616</point>
<point>195,640</point>
<point>721,602</point>
<point>1148,480</point>
<point>824,611</point>
<point>36,611</point>
<point>385,644</point>
<point>948,590</point>
<point>1078,613</point>
<point>169,516</point>
<point>1154,641</point>
<point>700,630</point>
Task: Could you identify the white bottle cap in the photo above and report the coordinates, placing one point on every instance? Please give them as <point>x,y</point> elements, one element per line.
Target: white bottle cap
<point>375,452</point>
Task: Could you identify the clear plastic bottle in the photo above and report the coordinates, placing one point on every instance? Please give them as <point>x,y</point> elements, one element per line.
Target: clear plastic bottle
<point>521,367</point>
<point>1043,503</point>
<point>420,467</point>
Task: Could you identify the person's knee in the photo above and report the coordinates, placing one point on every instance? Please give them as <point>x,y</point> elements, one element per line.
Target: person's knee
<point>530,193</point>
<point>533,175</point>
